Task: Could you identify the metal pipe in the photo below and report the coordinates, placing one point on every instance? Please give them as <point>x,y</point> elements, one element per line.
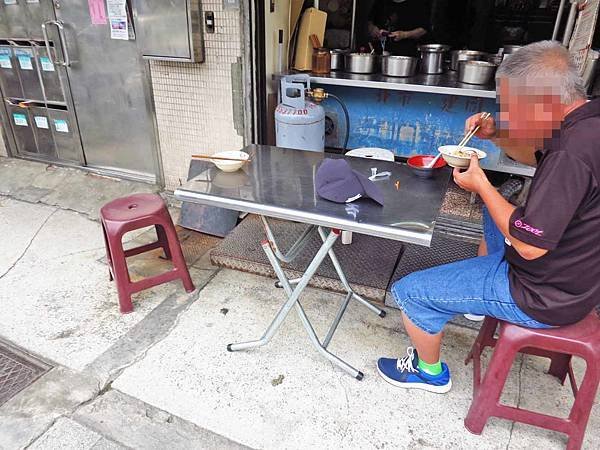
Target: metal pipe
<point>353,25</point>
<point>570,23</point>
<point>561,9</point>
<point>338,318</point>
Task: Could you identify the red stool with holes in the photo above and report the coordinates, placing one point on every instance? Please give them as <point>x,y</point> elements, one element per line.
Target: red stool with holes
<point>132,213</point>
<point>559,344</point>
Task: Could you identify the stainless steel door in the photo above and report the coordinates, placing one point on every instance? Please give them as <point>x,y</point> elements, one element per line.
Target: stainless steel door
<point>21,19</point>
<point>110,93</point>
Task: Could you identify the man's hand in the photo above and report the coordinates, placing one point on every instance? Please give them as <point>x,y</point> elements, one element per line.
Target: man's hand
<point>398,35</point>
<point>377,33</point>
<point>487,130</point>
<point>473,179</point>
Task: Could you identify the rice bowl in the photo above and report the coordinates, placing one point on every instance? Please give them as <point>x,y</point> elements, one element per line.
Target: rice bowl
<point>459,157</point>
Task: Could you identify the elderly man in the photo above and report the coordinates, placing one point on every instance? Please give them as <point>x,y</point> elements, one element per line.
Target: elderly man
<point>542,264</point>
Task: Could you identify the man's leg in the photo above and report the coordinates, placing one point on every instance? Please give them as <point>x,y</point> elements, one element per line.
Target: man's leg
<point>429,299</point>
<point>428,345</point>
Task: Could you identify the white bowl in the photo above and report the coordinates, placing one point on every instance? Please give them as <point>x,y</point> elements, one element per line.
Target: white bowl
<point>230,166</point>
<point>459,161</point>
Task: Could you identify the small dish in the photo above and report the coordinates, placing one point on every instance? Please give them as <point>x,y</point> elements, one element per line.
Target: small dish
<point>459,158</point>
<point>230,166</point>
<point>418,165</point>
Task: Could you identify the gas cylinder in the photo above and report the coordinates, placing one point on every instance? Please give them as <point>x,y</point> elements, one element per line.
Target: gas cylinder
<point>299,123</point>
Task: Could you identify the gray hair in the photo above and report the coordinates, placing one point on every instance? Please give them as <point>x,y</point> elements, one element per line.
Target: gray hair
<point>545,64</point>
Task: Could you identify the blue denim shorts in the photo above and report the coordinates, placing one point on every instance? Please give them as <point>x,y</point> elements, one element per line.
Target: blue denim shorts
<point>480,286</point>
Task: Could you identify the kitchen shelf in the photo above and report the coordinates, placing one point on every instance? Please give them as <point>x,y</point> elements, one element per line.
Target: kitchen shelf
<point>445,83</point>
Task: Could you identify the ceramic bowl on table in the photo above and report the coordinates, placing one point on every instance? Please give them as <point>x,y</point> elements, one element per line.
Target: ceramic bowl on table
<point>418,165</point>
<point>230,166</point>
<point>460,158</point>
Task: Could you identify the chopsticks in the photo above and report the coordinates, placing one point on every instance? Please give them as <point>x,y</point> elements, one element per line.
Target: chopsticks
<point>463,142</point>
<point>471,133</point>
<point>221,158</point>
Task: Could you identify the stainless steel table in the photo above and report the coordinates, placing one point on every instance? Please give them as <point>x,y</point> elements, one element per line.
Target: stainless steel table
<point>279,183</point>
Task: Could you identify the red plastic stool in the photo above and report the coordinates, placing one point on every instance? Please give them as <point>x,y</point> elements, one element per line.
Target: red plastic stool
<point>559,344</point>
<point>131,213</point>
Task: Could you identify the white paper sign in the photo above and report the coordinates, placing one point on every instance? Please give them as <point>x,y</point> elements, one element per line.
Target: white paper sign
<point>61,126</point>
<point>20,119</point>
<point>41,122</point>
<point>46,64</point>
<point>25,62</point>
<point>5,62</point>
<point>117,18</point>
<point>10,2</point>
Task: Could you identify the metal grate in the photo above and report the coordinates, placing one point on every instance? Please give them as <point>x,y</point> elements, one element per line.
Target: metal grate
<point>17,371</point>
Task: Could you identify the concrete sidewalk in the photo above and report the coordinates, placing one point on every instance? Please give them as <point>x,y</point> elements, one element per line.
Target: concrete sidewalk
<point>161,377</point>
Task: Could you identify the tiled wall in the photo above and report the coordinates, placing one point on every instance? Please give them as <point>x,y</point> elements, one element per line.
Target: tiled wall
<point>194,102</point>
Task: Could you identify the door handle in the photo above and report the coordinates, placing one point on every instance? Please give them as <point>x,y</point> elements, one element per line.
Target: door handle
<point>63,43</point>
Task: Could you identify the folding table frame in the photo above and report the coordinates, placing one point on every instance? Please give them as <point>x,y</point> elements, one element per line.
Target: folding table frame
<point>275,257</point>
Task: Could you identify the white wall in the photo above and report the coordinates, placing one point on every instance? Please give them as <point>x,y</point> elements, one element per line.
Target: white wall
<point>194,102</point>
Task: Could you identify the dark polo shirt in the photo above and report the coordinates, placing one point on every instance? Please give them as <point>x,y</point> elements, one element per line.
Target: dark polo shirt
<point>562,215</point>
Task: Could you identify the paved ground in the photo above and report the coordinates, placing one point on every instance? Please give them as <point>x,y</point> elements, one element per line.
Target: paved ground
<point>161,376</point>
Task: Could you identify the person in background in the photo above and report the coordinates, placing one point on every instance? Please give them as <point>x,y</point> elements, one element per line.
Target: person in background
<point>404,23</point>
<point>542,265</point>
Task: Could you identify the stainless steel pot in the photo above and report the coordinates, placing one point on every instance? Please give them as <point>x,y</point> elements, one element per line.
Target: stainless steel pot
<point>337,58</point>
<point>465,55</point>
<point>398,66</point>
<point>476,72</point>
<point>508,49</point>
<point>361,62</point>
<point>432,57</point>
<point>494,59</point>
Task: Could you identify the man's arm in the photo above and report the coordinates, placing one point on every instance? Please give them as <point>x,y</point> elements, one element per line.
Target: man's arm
<point>417,33</point>
<point>501,211</point>
<point>475,180</point>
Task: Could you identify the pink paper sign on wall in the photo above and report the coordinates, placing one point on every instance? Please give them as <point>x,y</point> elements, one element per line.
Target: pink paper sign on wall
<point>97,12</point>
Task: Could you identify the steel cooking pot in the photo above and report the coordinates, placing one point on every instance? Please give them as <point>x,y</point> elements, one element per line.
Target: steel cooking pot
<point>361,62</point>
<point>399,66</point>
<point>337,58</point>
<point>432,57</point>
<point>465,55</point>
<point>476,72</point>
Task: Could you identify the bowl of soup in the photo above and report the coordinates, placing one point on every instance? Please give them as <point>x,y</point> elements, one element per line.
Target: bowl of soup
<point>460,157</point>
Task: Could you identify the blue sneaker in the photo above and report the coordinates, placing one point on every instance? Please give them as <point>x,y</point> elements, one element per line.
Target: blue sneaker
<point>405,373</point>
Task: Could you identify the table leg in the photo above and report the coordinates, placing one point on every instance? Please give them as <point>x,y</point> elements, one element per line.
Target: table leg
<point>322,348</point>
<point>293,296</point>
<point>294,249</point>
<point>344,280</point>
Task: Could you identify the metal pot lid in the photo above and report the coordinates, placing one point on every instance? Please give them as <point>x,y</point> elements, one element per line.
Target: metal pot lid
<point>468,53</point>
<point>361,55</point>
<point>478,63</point>
<point>399,57</point>
<point>433,48</point>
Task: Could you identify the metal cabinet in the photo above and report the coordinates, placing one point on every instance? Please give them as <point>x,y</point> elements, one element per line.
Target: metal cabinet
<point>28,71</point>
<point>9,76</point>
<point>50,74</point>
<point>170,30</point>
<point>66,141</point>
<point>20,121</point>
<point>40,124</point>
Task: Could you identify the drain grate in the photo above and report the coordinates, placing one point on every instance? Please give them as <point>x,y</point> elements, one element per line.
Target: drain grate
<point>17,371</point>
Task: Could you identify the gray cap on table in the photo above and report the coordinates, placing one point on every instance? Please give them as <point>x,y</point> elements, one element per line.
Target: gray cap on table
<point>337,182</point>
